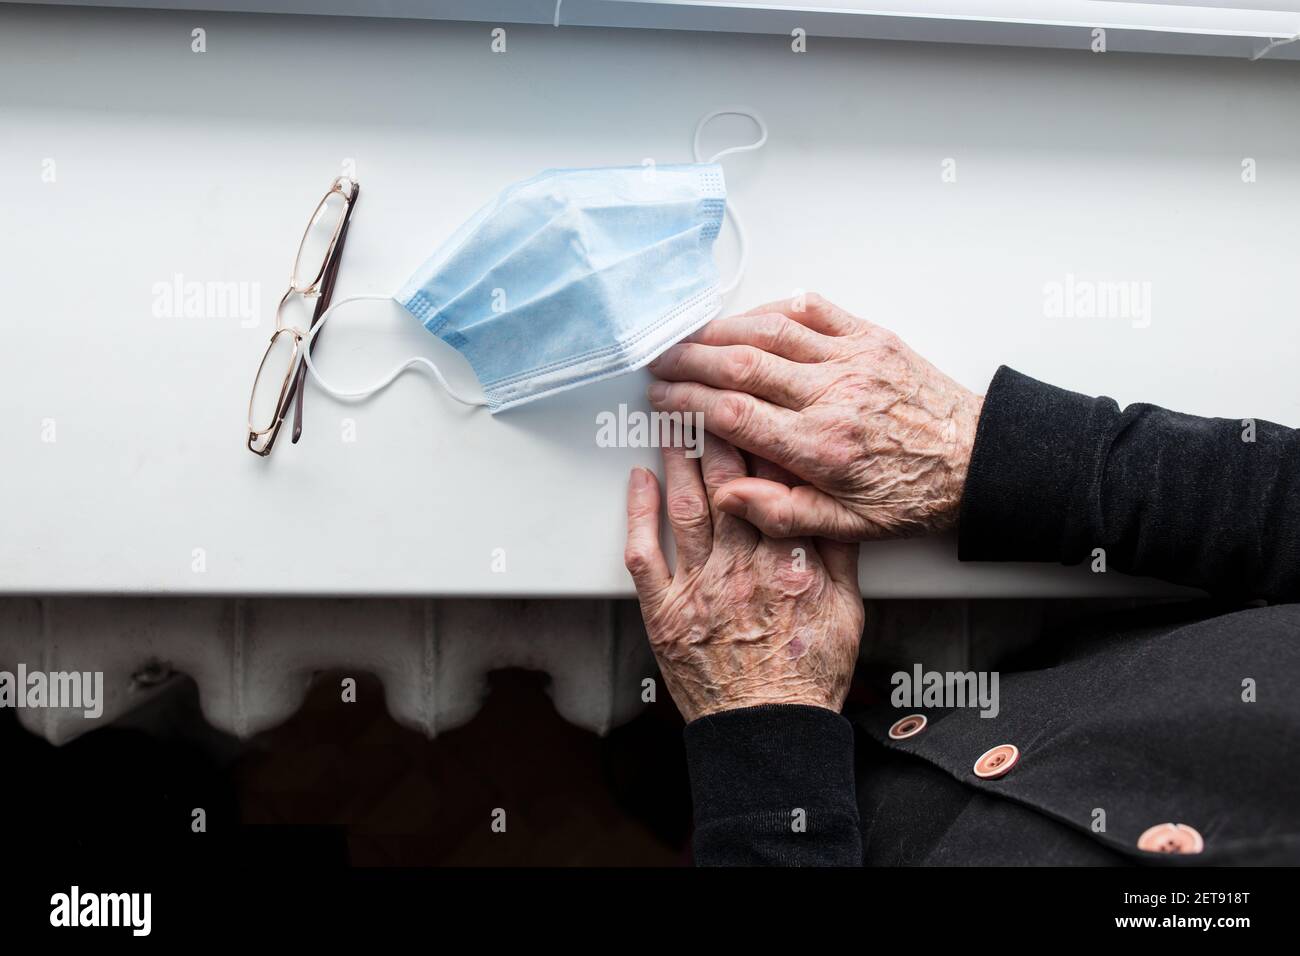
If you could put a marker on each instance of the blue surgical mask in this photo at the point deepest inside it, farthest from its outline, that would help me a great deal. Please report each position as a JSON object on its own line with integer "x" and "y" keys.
{"x": 572, "y": 276}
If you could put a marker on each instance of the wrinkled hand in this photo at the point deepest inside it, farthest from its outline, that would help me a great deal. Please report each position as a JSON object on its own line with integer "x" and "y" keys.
{"x": 744, "y": 619}
{"x": 882, "y": 438}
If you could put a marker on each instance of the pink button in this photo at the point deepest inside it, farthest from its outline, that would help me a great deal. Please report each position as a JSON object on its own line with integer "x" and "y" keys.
{"x": 1171, "y": 838}
{"x": 997, "y": 762}
{"x": 909, "y": 726}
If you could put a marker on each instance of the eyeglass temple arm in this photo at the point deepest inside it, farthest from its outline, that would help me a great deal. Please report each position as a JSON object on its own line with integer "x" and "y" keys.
{"x": 322, "y": 303}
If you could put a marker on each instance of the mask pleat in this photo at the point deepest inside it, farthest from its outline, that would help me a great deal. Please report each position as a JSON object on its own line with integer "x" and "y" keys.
{"x": 574, "y": 275}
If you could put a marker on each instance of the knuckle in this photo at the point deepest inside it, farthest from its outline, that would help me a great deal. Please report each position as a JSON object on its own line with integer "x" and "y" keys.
{"x": 885, "y": 339}
{"x": 687, "y": 511}
{"x": 817, "y": 302}
{"x": 732, "y": 414}
{"x": 691, "y": 396}
{"x": 782, "y": 518}
{"x": 741, "y": 365}
{"x": 635, "y": 559}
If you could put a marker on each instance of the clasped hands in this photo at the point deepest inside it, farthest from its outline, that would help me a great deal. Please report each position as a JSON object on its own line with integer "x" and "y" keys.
{"x": 824, "y": 430}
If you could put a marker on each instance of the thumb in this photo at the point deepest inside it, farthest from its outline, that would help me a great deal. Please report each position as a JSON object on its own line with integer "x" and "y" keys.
{"x": 841, "y": 561}
{"x": 780, "y": 511}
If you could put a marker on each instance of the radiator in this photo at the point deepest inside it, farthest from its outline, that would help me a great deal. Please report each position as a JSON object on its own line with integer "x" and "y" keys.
{"x": 254, "y": 660}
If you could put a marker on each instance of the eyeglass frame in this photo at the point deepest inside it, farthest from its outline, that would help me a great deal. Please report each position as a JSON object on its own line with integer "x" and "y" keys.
{"x": 320, "y": 288}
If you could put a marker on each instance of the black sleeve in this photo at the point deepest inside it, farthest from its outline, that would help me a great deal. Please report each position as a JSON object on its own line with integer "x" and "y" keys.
{"x": 774, "y": 785}
{"x": 1055, "y": 475}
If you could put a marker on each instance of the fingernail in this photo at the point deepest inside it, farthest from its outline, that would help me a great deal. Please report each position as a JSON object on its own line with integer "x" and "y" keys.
{"x": 640, "y": 477}
{"x": 657, "y": 392}
{"x": 663, "y": 356}
{"x": 733, "y": 505}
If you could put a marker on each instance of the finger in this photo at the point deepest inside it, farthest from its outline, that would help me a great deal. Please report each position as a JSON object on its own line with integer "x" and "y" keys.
{"x": 771, "y": 332}
{"x": 841, "y": 561}
{"x": 643, "y": 556}
{"x": 689, "y": 513}
{"x": 720, "y": 464}
{"x": 815, "y": 312}
{"x": 750, "y": 423}
{"x": 762, "y": 468}
{"x": 740, "y": 367}
{"x": 783, "y": 512}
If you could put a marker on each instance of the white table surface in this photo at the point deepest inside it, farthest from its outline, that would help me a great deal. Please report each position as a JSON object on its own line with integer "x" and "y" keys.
{"x": 169, "y": 162}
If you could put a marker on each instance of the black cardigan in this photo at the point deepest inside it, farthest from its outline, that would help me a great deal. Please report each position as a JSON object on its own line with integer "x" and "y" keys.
{"x": 1212, "y": 503}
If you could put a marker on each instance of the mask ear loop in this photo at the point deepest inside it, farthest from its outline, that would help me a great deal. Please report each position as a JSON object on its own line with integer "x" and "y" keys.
{"x": 731, "y": 209}
{"x": 437, "y": 373}
{"x": 386, "y": 380}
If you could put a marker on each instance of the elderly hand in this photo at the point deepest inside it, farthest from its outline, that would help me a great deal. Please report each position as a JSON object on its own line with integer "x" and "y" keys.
{"x": 743, "y": 620}
{"x": 881, "y": 436}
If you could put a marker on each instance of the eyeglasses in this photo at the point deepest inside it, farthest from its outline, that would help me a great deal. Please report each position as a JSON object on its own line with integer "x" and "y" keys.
{"x": 279, "y": 380}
